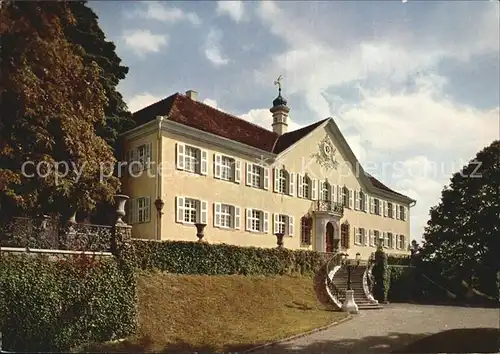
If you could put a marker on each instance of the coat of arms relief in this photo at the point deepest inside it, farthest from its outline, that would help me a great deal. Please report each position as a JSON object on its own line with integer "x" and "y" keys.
{"x": 325, "y": 157}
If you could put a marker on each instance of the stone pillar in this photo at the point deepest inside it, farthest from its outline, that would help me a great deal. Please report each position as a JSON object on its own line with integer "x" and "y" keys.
{"x": 320, "y": 231}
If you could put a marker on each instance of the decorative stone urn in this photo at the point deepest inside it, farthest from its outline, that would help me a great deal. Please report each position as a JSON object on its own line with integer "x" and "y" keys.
{"x": 44, "y": 225}
{"x": 200, "y": 231}
{"x": 349, "y": 305}
{"x": 279, "y": 238}
{"x": 120, "y": 200}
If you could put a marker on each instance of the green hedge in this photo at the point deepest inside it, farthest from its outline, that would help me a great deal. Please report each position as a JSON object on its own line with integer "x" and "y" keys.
{"x": 220, "y": 259}
{"x": 55, "y": 305}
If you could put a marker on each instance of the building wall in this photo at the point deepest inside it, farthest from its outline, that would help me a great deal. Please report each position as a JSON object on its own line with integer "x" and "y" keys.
{"x": 175, "y": 183}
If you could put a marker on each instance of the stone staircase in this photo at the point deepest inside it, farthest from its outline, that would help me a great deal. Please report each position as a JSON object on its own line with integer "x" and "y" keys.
{"x": 340, "y": 282}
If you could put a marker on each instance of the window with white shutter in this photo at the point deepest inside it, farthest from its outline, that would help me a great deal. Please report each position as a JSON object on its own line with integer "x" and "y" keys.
{"x": 365, "y": 202}
{"x": 385, "y": 208}
{"x": 226, "y": 216}
{"x": 191, "y": 211}
{"x": 291, "y": 185}
{"x": 237, "y": 171}
{"x": 283, "y": 224}
{"x": 191, "y": 159}
{"x": 143, "y": 210}
{"x": 364, "y": 234}
{"x": 351, "y": 199}
{"x": 397, "y": 212}
{"x": 257, "y": 220}
{"x": 385, "y": 235}
{"x": 265, "y": 171}
{"x": 257, "y": 176}
{"x": 225, "y": 168}
{"x": 345, "y": 197}
{"x": 357, "y": 198}
{"x": 333, "y": 197}
{"x": 300, "y": 189}
{"x": 314, "y": 189}
{"x": 281, "y": 180}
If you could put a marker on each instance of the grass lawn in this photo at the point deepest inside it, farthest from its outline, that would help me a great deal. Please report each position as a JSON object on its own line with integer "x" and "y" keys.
{"x": 179, "y": 313}
{"x": 465, "y": 340}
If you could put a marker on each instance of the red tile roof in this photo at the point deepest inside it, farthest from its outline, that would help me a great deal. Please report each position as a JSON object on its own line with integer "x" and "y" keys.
{"x": 184, "y": 110}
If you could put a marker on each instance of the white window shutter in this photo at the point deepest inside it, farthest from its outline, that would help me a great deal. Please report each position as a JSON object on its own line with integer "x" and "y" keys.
{"x": 333, "y": 191}
{"x": 217, "y": 165}
{"x": 397, "y": 211}
{"x": 217, "y": 210}
{"x": 291, "y": 183}
{"x": 248, "y": 175}
{"x": 365, "y": 237}
{"x": 275, "y": 223}
{"x": 355, "y": 235}
{"x": 406, "y": 213}
{"x": 351, "y": 202}
{"x": 180, "y": 148}
{"x": 314, "y": 189}
{"x": 248, "y": 222}
{"x": 373, "y": 242}
{"x": 300, "y": 190}
{"x": 265, "y": 224}
{"x": 393, "y": 215}
{"x": 276, "y": 179}
{"x": 380, "y": 207}
{"x": 357, "y": 198}
{"x": 180, "y": 209}
{"x": 291, "y": 225}
{"x": 265, "y": 171}
{"x": 237, "y": 217}
{"x": 203, "y": 212}
{"x": 366, "y": 201}
{"x": 149, "y": 153}
{"x": 131, "y": 211}
{"x": 384, "y": 235}
{"x": 147, "y": 211}
{"x": 203, "y": 162}
{"x": 339, "y": 194}
{"x": 393, "y": 240}
{"x": 386, "y": 207}
{"x": 237, "y": 171}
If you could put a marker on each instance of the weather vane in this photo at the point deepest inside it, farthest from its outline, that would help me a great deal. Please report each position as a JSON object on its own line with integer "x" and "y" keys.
{"x": 278, "y": 83}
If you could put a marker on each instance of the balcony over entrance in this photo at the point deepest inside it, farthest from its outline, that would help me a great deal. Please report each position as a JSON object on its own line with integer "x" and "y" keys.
{"x": 329, "y": 207}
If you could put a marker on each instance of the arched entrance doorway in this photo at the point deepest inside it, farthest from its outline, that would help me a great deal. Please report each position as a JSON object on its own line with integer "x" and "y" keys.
{"x": 329, "y": 240}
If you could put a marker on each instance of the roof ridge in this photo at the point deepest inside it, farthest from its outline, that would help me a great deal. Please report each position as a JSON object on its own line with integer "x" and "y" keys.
{"x": 229, "y": 114}
{"x": 162, "y": 100}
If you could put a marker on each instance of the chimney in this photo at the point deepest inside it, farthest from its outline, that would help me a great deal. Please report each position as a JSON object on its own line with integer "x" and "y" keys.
{"x": 192, "y": 94}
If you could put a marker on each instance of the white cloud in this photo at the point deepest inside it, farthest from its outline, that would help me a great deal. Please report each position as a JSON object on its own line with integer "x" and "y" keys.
{"x": 143, "y": 41}
{"x": 233, "y": 9}
{"x": 402, "y": 117}
{"x": 155, "y": 10}
{"x": 262, "y": 117}
{"x": 142, "y": 100}
{"x": 213, "y": 51}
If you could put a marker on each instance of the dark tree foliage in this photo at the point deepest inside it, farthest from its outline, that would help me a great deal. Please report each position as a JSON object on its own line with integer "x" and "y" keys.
{"x": 52, "y": 102}
{"x": 86, "y": 33}
{"x": 462, "y": 237}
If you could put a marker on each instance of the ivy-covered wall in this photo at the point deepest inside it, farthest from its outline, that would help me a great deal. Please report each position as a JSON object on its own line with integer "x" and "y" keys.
{"x": 48, "y": 305}
{"x": 220, "y": 259}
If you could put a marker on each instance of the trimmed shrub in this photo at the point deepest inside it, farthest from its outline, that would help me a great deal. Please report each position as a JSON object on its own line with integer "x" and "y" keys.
{"x": 398, "y": 260}
{"x": 220, "y": 259}
{"x": 381, "y": 276}
{"x": 55, "y": 305}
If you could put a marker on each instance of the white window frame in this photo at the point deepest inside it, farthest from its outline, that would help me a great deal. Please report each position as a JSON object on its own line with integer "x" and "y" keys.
{"x": 139, "y": 210}
{"x": 401, "y": 242}
{"x": 283, "y": 223}
{"x": 192, "y": 159}
{"x": 376, "y": 206}
{"x": 325, "y": 192}
{"x": 191, "y": 210}
{"x": 257, "y": 176}
{"x": 139, "y": 157}
{"x": 227, "y": 168}
{"x": 390, "y": 240}
{"x": 345, "y": 197}
{"x": 281, "y": 181}
{"x": 257, "y": 220}
{"x": 305, "y": 186}
{"x": 358, "y": 236}
{"x": 390, "y": 210}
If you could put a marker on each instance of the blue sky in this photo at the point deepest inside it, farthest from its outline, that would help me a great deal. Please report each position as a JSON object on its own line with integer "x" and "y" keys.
{"x": 414, "y": 86}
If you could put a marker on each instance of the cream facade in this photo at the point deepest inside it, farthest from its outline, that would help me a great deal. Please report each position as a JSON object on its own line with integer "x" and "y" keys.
{"x": 314, "y": 192}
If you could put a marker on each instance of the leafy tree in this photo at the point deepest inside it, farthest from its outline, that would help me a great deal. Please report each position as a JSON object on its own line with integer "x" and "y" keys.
{"x": 462, "y": 237}
{"x": 51, "y": 103}
{"x": 86, "y": 33}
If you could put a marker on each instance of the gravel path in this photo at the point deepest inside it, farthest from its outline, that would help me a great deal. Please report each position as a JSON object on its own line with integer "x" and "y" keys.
{"x": 382, "y": 331}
